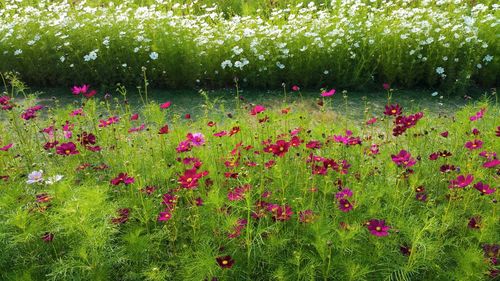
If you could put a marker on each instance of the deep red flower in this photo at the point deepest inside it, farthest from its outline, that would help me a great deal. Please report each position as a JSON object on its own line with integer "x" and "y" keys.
{"x": 461, "y": 181}
{"x": 280, "y": 213}
{"x": 475, "y": 144}
{"x": 48, "y": 237}
{"x": 280, "y": 148}
{"x": 234, "y": 130}
{"x": 86, "y": 138}
{"x": 122, "y": 178}
{"x": 163, "y": 130}
{"x": 444, "y": 134}
{"x": 306, "y": 216}
{"x": 68, "y": 148}
{"x": 345, "y": 205}
{"x": 225, "y": 262}
{"x": 393, "y": 110}
{"x": 484, "y": 188}
{"x": 403, "y": 158}
{"x": 189, "y": 179}
{"x": 474, "y": 222}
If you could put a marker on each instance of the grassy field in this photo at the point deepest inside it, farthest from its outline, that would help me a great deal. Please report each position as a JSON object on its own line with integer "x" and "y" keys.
{"x": 303, "y": 186}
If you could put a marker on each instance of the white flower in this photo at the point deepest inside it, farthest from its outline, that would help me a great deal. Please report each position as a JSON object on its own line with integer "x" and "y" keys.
{"x": 226, "y": 63}
{"x": 479, "y": 66}
{"x": 54, "y": 179}
{"x": 18, "y": 52}
{"x": 153, "y": 55}
{"x": 62, "y": 58}
{"x": 237, "y": 50}
{"x": 35, "y": 177}
{"x": 488, "y": 58}
{"x": 280, "y": 65}
{"x": 434, "y": 94}
{"x": 439, "y": 70}
{"x": 326, "y": 72}
{"x": 91, "y": 56}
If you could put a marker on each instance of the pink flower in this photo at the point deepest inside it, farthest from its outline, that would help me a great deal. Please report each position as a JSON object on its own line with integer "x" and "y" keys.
{"x": 484, "y": 188}
{"x": 492, "y": 163}
{"x": 134, "y": 117}
{"x": 7, "y": 147}
{"x": 475, "y": 144}
{"x": 371, "y": 121}
{"x": 328, "y": 93}
{"x": 378, "y": 227}
{"x": 164, "y": 216}
{"x": 76, "y": 90}
{"x": 403, "y": 159}
{"x": 196, "y": 139}
{"x": 165, "y": 105}
{"x": 257, "y": 109}
{"x": 461, "y": 181}
{"x": 386, "y": 86}
{"x": 137, "y": 129}
{"x": 295, "y": 88}
{"x": 122, "y": 178}
{"x": 478, "y": 115}
{"x": 76, "y": 112}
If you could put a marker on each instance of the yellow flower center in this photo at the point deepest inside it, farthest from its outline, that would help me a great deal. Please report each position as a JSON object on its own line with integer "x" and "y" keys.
{"x": 224, "y": 262}
{"x": 378, "y": 228}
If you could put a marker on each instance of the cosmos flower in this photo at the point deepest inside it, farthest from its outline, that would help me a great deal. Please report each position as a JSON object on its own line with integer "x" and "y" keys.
{"x": 484, "y": 188}
{"x": 295, "y": 88}
{"x": 225, "y": 262}
{"x": 47, "y": 237}
{"x": 306, "y": 216}
{"x": 7, "y": 147}
{"x": 189, "y": 179}
{"x": 378, "y": 227}
{"x": 66, "y": 149}
{"x": 474, "y": 222}
{"x": 122, "y": 178}
{"x": 280, "y": 148}
{"x": 328, "y": 93}
{"x": 164, "y": 216}
{"x": 257, "y": 109}
{"x": 492, "y": 163}
{"x": 196, "y": 139}
{"x": 478, "y": 115}
{"x": 461, "y": 181}
{"x": 403, "y": 158}
{"x": 393, "y": 110}
{"x": 54, "y": 179}
{"x": 345, "y": 205}
{"x": 163, "y": 130}
{"x": 35, "y": 177}
{"x": 165, "y": 105}
{"x": 475, "y": 144}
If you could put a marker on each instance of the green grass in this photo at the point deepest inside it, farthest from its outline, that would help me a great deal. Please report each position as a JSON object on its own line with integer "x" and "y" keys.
{"x": 334, "y": 245}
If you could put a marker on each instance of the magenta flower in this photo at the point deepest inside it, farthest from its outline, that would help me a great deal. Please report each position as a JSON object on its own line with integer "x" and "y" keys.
{"x": 122, "y": 178}
{"x": 461, "y": 181}
{"x": 184, "y": 146}
{"x": 109, "y": 121}
{"x": 196, "y": 139}
{"x": 164, "y": 216}
{"x": 76, "y": 90}
{"x": 444, "y": 134}
{"x": 484, "y": 188}
{"x": 328, "y": 93}
{"x": 7, "y": 147}
{"x": 378, "y": 227}
{"x": 403, "y": 159}
{"x": 346, "y": 192}
{"x": 478, "y": 115}
{"x": 68, "y": 148}
{"x": 393, "y": 110}
{"x": 165, "y": 105}
{"x": 475, "y": 144}
{"x": 47, "y": 237}
{"x": 257, "y": 109}
{"x": 345, "y": 205}
{"x": 295, "y": 88}
{"x": 492, "y": 163}
{"x": 386, "y": 86}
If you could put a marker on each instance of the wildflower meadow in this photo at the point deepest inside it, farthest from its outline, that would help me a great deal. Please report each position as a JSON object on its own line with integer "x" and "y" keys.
{"x": 343, "y": 140}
